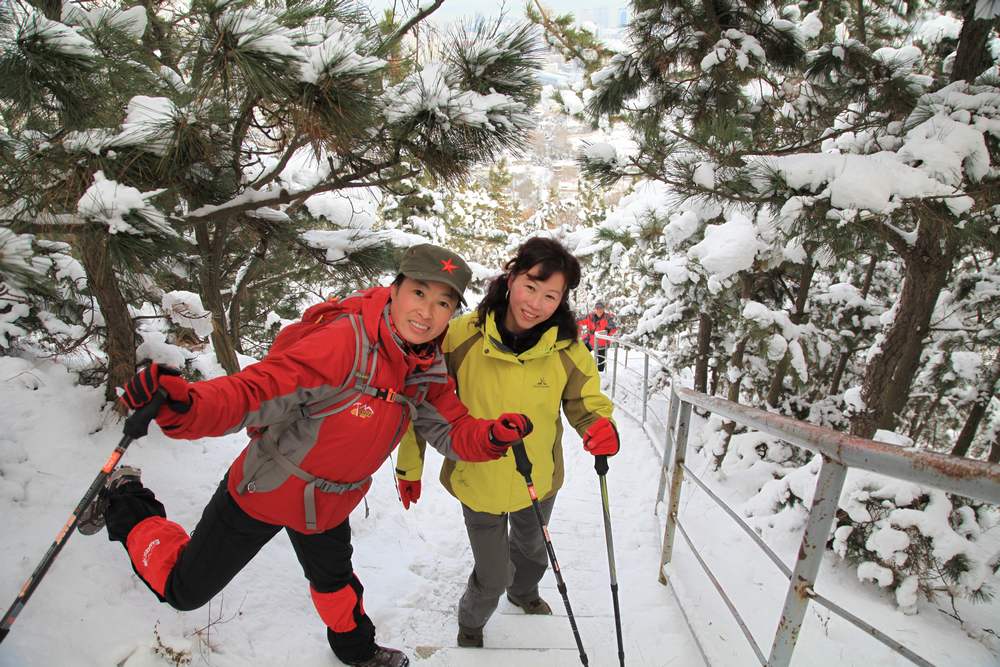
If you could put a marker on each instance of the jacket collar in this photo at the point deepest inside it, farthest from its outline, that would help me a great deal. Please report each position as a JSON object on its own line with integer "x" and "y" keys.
{"x": 493, "y": 343}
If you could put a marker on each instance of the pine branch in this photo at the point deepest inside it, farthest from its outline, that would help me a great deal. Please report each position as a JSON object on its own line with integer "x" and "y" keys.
{"x": 394, "y": 39}
{"x": 267, "y": 177}
{"x": 554, "y": 30}
{"x": 241, "y": 127}
{"x": 356, "y": 179}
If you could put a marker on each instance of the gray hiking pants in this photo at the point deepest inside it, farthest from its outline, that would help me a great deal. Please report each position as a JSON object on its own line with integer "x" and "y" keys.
{"x": 513, "y": 562}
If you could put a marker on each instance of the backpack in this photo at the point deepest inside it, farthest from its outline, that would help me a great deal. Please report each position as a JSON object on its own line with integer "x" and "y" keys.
{"x": 264, "y": 449}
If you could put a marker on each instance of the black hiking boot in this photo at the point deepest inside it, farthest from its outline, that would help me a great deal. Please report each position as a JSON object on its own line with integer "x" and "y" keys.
{"x": 470, "y": 637}
{"x": 536, "y": 607}
{"x": 384, "y": 657}
{"x": 92, "y": 517}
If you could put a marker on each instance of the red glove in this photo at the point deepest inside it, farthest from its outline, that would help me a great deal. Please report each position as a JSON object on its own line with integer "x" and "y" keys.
{"x": 409, "y": 492}
{"x": 140, "y": 390}
{"x": 601, "y": 439}
{"x": 506, "y": 430}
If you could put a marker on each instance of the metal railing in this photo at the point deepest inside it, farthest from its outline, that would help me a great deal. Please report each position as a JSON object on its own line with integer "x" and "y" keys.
{"x": 666, "y": 419}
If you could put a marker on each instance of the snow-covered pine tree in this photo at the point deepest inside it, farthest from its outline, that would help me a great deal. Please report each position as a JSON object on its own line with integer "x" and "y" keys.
{"x": 482, "y": 217}
{"x": 727, "y": 106}
{"x": 699, "y": 72}
{"x": 41, "y": 304}
{"x": 415, "y": 206}
{"x": 193, "y": 125}
{"x": 576, "y": 43}
{"x": 869, "y": 177}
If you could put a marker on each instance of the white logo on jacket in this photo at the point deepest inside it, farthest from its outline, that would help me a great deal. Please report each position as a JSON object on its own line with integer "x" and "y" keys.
{"x": 359, "y": 409}
{"x": 149, "y": 549}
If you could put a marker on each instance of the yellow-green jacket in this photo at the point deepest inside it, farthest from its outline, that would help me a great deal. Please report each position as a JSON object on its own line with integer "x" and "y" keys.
{"x": 492, "y": 380}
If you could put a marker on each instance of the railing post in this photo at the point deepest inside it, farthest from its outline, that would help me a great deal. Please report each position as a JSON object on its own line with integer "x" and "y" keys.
{"x": 675, "y": 488}
{"x": 668, "y": 444}
{"x": 614, "y": 372}
{"x": 817, "y": 531}
{"x": 645, "y": 383}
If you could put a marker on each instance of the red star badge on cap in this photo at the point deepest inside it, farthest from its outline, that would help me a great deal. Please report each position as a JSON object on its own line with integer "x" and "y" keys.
{"x": 446, "y": 265}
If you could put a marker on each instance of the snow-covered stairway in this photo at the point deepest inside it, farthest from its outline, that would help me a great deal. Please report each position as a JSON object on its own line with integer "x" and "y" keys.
{"x": 654, "y": 631}
{"x": 91, "y": 609}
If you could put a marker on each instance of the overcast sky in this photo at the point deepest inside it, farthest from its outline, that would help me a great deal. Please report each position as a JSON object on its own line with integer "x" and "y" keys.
{"x": 605, "y": 13}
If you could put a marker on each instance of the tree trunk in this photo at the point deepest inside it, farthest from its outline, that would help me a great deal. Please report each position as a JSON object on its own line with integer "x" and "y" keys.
{"x": 838, "y": 371}
{"x": 889, "y": 374}
{"x": 978, "y": 410}
{"x": 925, "y": 418}
{"x": 733, "y": 394}
{"x": 862, "y": 32}
{"x": 120, "y": 346}
{"x": 704, "y": 351}
{"x": 845, "y": 356}
{"x": 994, "y": 456}
{"x": 777, "y": 387}
{"x": 210, "y": 274}
{"x": 240, "y": 292}
{"x": 972, "y": 58}
{"x": 735, "y": 362}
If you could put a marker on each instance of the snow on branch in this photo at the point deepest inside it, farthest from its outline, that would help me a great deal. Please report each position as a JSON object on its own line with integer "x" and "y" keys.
{"x": 331, "y": 49}
{"x": 433, "y": 92}
{"x": 57, "y": 37}
{"x": 110, "y": 202}
{"x": 258, "y": 33}
{"x": 130, "y": 21}
{"x": 339, "y": 244}
{"x": 149, "y": 123}
{"x": 876, "y": 183}
{"x": 185, "y": 309}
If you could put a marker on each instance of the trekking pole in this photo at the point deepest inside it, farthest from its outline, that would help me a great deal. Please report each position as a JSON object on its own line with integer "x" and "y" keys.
{"x": 523, "y": 464}
{"x": 601, "y": 466}
{"x": 136, "y": 426}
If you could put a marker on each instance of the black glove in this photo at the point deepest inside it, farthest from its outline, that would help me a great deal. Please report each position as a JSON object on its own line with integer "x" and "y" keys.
{"x": 140, "y": 390}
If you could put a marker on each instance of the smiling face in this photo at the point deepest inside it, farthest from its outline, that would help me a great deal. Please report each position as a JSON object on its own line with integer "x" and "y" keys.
{"x": 532, "y": 300}
{"x": 421, "y": 310}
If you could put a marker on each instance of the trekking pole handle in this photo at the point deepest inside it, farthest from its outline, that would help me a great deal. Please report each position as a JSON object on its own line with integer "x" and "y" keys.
{"x": 137, "y": 423}
{"x": 601, "y": 464}
{"x": 521, "y": 460}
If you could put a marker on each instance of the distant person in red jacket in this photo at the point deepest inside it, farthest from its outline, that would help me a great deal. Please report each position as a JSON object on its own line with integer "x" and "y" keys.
{"x": 599, "y": 321}
{"x": 324, "y": 409}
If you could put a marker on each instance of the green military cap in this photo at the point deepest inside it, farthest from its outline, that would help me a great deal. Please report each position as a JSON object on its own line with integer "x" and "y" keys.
{"x": 436, "y": 264}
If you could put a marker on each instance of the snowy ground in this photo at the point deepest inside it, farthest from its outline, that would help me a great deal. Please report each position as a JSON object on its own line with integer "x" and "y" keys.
{"x": 92, "y": 610}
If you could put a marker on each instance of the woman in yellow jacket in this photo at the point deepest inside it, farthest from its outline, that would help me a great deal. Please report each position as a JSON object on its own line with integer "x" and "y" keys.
{"x": 518, "y": 352}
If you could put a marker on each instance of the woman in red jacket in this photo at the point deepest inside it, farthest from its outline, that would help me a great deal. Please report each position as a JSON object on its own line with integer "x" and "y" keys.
{"x": 324, "y": 409}
{"x": 598, "y": 321}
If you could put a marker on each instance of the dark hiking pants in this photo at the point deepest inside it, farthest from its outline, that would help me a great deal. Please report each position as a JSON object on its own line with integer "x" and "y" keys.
{"x": 194, "y": 570}
{"x": 511, "y": 561}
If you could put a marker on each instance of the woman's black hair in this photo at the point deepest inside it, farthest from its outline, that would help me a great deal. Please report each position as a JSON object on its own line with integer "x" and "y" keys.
{"x": 553, "y": 257}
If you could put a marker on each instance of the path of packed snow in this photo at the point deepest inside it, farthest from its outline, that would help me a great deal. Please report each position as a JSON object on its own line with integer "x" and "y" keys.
{"x": 92, "y": 610}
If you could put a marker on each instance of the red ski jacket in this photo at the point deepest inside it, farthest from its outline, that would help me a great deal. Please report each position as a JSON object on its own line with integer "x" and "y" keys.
{"x": 343, "y": 448}
{"x": 593, "y": 323}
